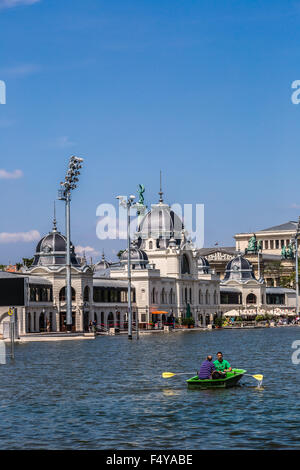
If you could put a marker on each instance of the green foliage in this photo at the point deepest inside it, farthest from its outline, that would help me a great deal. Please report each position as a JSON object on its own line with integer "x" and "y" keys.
{"x": 259, "y": 318}
{"x": 187, "y": 321}
{"x": 27, "y": 262}
{"x": 219, "y": 321}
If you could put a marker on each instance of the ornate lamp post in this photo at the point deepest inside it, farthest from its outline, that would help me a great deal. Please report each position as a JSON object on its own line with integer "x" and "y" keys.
{"x": 65, "y": 195}
{"x": 127, "y": 204}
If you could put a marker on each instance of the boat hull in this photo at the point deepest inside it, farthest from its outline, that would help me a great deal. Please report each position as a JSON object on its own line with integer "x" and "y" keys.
{"x": 231, "y": 380}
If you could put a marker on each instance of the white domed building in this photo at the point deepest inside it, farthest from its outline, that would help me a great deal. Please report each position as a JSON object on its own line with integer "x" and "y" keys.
{"x": 169, "y": 277}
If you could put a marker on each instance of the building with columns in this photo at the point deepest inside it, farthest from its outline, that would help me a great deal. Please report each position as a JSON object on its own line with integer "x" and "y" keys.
{"x": 273, "y": 238}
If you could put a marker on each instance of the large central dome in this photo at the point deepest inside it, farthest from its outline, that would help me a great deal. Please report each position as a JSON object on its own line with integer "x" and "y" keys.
{"x": 160, "y": 223}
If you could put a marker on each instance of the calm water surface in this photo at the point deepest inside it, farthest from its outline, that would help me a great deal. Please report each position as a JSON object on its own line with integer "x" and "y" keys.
{"x": 109, "y": 394}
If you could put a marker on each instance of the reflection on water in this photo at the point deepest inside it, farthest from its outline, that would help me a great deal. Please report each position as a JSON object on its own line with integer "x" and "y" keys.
{"x": 109, "y": 393}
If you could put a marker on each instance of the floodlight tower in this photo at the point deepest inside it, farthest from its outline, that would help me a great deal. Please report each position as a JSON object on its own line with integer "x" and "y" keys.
{"x": 68, "y": 185}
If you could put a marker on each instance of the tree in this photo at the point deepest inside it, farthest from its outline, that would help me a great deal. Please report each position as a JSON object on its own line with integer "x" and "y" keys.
{"x": 27, "y": 262}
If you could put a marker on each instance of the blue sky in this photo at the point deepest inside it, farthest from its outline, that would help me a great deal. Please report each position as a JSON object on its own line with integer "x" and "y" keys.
{"x": 198, "y": 89}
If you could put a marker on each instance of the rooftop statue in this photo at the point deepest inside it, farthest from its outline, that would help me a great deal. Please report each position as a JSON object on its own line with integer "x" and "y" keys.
{"x": 141, "y": 190}
{"x": 253, "y": 245}
{"x": 290, "y": 251}
{"x": 283, "y": 252}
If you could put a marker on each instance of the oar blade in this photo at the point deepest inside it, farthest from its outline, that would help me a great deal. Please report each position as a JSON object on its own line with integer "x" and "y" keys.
{"x": 167, "y": 375}
{"x": 258, "y": 377}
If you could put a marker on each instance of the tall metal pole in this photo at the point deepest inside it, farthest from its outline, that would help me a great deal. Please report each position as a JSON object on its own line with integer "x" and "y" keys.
{"x": 68, "y": 264}
{"x": 12, "y": 333}
{"x": 129, "y": 272}
{"x": 297, "y": 275}
{"x": 68, "y": 185}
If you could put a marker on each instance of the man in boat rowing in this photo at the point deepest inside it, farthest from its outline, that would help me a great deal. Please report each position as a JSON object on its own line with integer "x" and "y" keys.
{"x": 222, "y": 366}
{"x": 206, "y": 369}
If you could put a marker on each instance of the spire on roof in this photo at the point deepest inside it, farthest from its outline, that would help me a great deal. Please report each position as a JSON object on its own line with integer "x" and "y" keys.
{"x": 160, "y": 192}
{"x": 54, "y": 219}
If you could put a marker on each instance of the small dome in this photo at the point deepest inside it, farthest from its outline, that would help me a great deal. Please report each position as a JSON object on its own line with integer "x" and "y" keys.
{"x": 239, "y": 269}
{"x": 203, "y": 265}
{"x": 102, "y": 269}
{"x": 52, "y": 250}
{"x": 138, "y": 257}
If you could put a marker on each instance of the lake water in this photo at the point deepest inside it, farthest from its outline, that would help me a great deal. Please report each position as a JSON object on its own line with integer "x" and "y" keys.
{"x": 109, "y": 393}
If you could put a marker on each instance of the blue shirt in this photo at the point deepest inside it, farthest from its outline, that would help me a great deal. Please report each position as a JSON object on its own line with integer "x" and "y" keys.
{"x": 206, "y": 369}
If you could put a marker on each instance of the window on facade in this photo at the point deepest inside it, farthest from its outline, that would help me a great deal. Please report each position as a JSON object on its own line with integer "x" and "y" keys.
{"x": 277, "y": 244}
{"x": 266, "y": 244}
{"x": 62, "y": 294}
{"x": 282, "y": 243}
{"x": 275, "y": 299}
{"x": 251, "y": 299}
{"x": 185, "y": 266}
{"x": 150, "y": 245}
{"x": 207, "y": 298}
{"x": 200, "y": 297}
{"x": 191, "y": 298}
{"x": 86, "y": 294}
{"x": 287, "y": 242}
{"x": 271, "y": 244}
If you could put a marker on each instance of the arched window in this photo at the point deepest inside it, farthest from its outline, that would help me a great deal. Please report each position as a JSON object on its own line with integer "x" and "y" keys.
{"x": 171, "y": 296}
{"x": 110, "y": 320}
{"x": 185, "y": 265}
{"x": 200, "y": 297}
{"x": 62, "y": 294}
{"x": 251, "y": 299}
{"x": 162, "y": 296}
{"x": 207, "y": 298}
{"x": 191, "y": 298}
{"x": 153, "y": 295}
{"x": 185, "y": 295}
{"x": 150, "y": 245}
{"x": 86, "y": 294}
{"x": 215, "y": 298}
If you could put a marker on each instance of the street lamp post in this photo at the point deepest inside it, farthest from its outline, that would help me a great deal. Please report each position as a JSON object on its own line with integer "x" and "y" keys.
{"x": 296, "y": 261}
{"x": 127, "y": 204}
{"x": 65, "y": 195}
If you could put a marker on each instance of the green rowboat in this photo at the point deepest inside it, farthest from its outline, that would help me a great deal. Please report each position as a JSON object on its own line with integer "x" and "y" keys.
{"x": 231, "y": 380}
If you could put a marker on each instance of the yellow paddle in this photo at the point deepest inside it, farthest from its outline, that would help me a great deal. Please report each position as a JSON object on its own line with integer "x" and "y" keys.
{"x": 167, "y": 375}
{"x": 258, "y": 377}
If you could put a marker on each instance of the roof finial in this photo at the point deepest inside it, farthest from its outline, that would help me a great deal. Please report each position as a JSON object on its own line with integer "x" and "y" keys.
{"x": 160, "y": 192}
{"x": 103, "y": 255}
{"x": 54, "y": 219}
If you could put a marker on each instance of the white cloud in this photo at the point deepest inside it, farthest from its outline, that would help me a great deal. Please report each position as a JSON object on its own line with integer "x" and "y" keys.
{"x": 21, "y": 70}
{"x": 64, "y": 142}
{"x": 13, "y": 175}
{"x": 87, "y": 250}
{"x": 26, "y": 237}
{"x": 15, "y": 3}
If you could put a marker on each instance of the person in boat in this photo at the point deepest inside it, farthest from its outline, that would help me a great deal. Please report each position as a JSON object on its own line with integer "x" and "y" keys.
{"x": 207, "y": 368}
{"x": 221, "y": 367}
